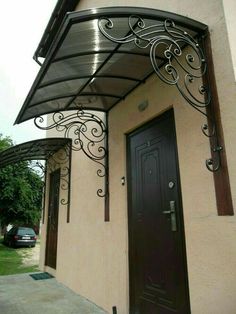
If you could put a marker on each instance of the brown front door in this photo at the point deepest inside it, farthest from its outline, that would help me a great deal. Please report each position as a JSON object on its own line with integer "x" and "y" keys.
{"x": 157, "y": 259}
{"x": 52, "y": 227}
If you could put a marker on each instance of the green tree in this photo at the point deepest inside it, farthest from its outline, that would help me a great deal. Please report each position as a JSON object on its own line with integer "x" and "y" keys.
{"x": 5, "y": 142}
{"x": 20, "y": 192}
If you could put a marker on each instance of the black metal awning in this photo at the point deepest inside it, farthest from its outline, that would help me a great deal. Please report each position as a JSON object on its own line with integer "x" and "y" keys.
{"x": 61, "y": 8}
{"x": 99, "y": 56}
{"x": 88, "y": 65}
{"x": 44, "y": 149}
{"x": 41, "y": 149}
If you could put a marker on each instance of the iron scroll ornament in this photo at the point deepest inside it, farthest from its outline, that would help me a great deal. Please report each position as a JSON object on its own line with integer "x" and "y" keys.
{"x": 62, "y": 160}
{"x": 170, "y": 40}
{"x": 54, "y": 161}
{"x": 39, "y": 168}
{"x": 88, "y": 133}
{"x": 59, "y": 160}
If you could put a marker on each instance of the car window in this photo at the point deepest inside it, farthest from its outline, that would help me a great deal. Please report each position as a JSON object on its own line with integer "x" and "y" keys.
{"x": 23, "y": 231}
{"x": 12, "y": 230}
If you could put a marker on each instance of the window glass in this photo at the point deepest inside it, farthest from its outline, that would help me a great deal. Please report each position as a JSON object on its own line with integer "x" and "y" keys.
{"x": 23, "y": 231}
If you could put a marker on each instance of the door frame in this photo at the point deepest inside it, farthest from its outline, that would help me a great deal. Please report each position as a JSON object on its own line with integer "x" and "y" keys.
{"x": 139, "y": 129}
{"x": 49, "y": 199}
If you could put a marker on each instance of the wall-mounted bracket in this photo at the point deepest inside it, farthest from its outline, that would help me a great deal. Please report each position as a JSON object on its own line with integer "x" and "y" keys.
{"x": 60, "y": 159}
{"x": 89, "y": 134}
{"x": 185, "y": 65}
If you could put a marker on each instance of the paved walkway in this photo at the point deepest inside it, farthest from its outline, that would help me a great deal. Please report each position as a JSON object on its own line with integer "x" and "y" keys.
{"x": 21, "y": 294}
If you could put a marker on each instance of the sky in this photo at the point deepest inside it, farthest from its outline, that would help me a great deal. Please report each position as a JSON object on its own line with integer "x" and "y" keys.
{"x": 22, "y": 23}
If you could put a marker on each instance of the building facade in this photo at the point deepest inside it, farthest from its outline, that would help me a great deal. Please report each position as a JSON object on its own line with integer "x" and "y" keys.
{"x": 165, "y": 237}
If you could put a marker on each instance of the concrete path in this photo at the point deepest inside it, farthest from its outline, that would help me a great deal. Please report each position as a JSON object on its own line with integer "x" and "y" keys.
{"x": 21, "y": 294}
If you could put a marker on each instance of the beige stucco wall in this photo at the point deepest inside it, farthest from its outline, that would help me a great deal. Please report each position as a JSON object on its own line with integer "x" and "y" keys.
{"x": 230, "y": 13}
{"x": 211, "y": 13}
{"x": 93, "y": 255}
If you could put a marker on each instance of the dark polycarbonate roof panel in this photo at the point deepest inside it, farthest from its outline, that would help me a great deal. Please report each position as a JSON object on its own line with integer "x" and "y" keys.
{"x": 61, "y": 8}
{"x": 34, "y": 150}
{"x": 85, "y": 68}
{"x": 80, "y": 65}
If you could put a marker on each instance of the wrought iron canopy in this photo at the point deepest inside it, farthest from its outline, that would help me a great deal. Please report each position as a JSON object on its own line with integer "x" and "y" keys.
{"x": 99, "y": 56}
{"x": 89, "y": 66}
{"x": 41, "y": 149}
{"x": 44, "y": 149}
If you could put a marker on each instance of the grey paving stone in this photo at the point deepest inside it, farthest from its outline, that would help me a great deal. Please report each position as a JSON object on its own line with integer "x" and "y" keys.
{"x": 20, "y": 294}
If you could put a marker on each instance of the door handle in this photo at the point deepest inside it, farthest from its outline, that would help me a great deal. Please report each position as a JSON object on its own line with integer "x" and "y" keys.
{"x": 172, "y": 214}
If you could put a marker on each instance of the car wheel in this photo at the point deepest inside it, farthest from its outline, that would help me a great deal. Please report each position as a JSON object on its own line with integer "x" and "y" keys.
{"x": 11, "y": 244}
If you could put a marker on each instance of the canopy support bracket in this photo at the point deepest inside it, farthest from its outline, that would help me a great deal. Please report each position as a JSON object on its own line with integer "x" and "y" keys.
{"x": 89, "y": 134}
{"x": 62, "y": 160}
{"x": 185, "y": 69}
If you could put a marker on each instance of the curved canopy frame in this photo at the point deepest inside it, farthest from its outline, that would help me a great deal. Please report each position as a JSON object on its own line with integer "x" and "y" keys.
{"x": 55, "y": 151}
{"x": 86, "y": 67}
{"x": 99, "y": 56}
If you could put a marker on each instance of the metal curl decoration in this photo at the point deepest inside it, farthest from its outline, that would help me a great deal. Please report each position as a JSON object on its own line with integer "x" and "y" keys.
{"x": 207, "y": 132}
{"x": 170, "y": 39}
{"x": 88, "y": 133}
{"x": 214, "y": 164}
{"x": 180, "y": 69}
{"x": 64, "y": 178}
{"x": 39, "y": 168}
{"x": 61, "y": 160}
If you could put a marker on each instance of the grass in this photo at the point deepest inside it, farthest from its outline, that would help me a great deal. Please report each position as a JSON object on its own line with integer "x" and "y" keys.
{"x": 11, "y": 262}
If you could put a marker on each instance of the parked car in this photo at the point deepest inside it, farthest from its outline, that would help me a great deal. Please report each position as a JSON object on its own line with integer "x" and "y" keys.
{"x": 20, "y": 236}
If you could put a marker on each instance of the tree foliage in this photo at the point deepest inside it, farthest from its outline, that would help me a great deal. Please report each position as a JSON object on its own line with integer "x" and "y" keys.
{"x": 5, "y": 142}
{"x": 20, "y": 192}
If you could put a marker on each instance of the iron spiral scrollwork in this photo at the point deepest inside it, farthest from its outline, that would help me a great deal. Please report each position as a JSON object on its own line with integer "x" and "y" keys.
{"x": 185, "y": 64}
{"x": 61, "y": 160}
{"x": 213, "y": 164}
{"x": 88, "y": 133}
{"x": 39, "y": 168}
